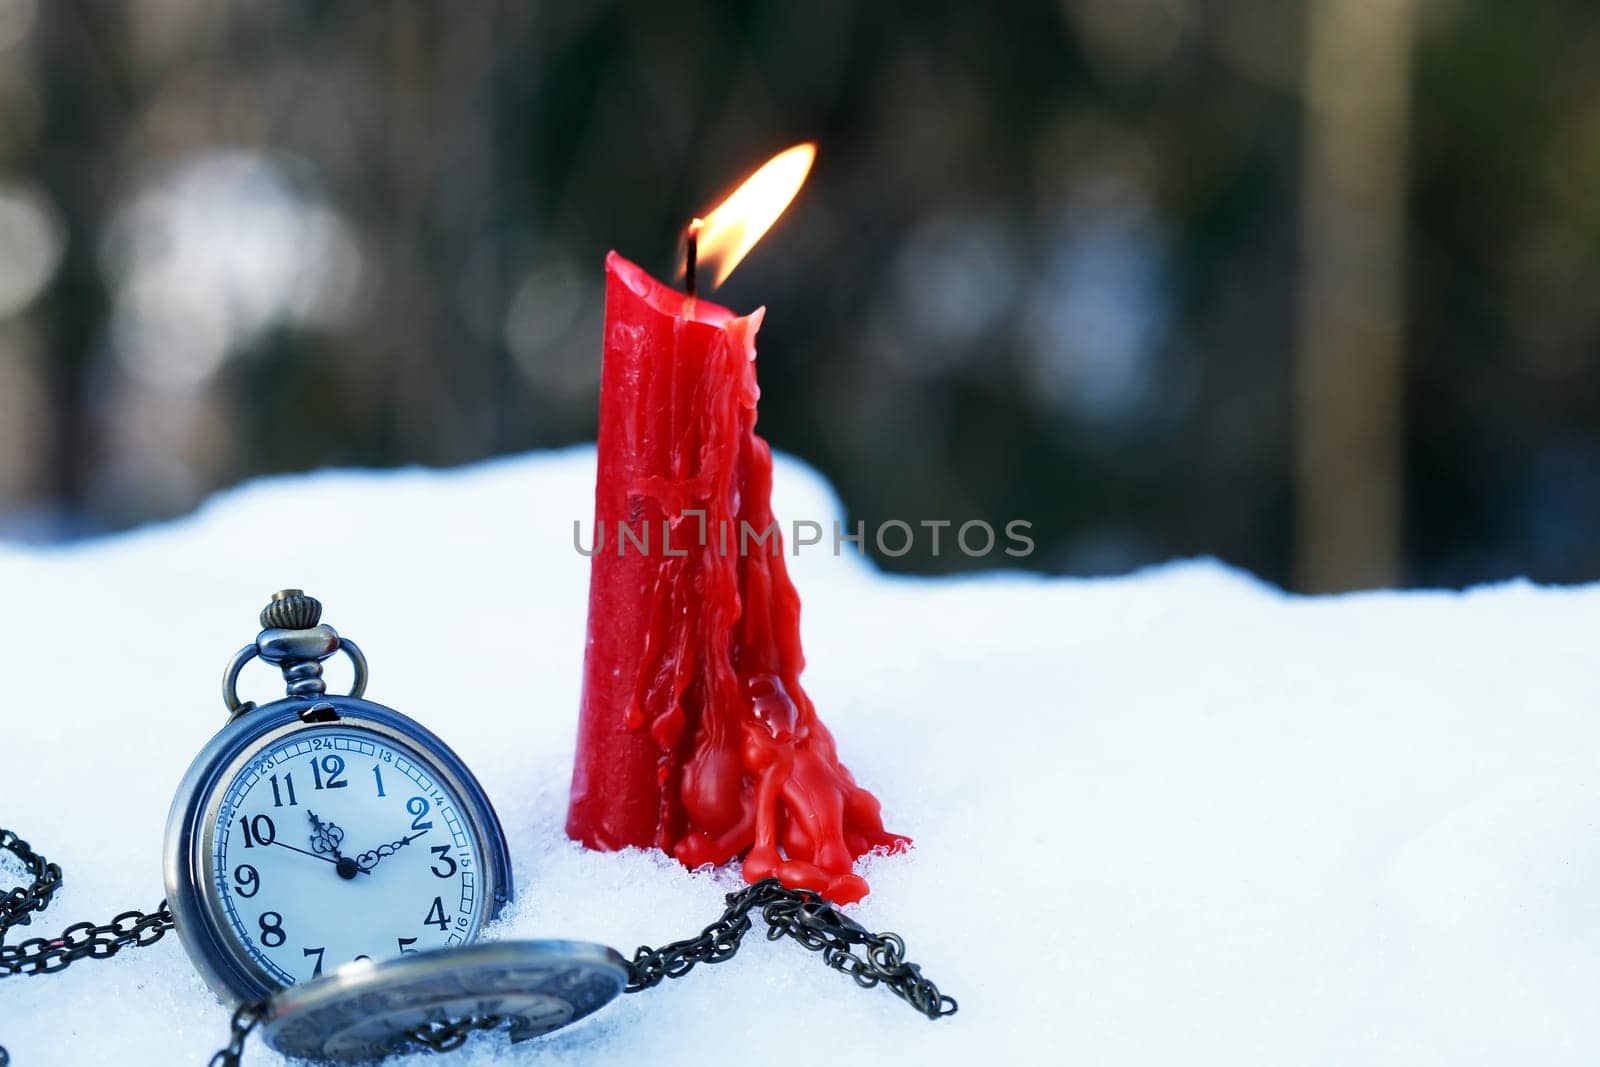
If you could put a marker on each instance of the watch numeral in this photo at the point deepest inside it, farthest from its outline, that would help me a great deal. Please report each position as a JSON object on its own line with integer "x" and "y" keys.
{"x": 258, "y": 831}
{"x": 443, "y": 852}
{"x": 379, "y": 776}
{"x": 333, "y": 767}
{"x": 405, "y": 945}
{"x": 288, "y": 784}
{"x": 271, "y": 932}
{"x": 247, "y": 881}
{"x": 418, "y": 806}
{"x": 316, "y": 972}
{"x": 437, "y": 910}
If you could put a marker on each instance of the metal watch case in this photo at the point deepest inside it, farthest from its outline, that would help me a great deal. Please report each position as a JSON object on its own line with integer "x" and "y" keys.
{"x": 298, "y": 650}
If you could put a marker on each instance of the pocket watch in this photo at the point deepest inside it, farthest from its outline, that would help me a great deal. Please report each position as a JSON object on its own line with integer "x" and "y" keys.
{"x": 318, "y": 830}
{"x": 330, "y": 863}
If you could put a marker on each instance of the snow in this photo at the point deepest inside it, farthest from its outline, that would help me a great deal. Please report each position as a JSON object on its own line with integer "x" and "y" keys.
{"x": 1176, "y": 817}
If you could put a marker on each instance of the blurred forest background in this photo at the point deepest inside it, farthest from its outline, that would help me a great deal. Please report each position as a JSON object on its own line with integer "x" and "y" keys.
{"x": 1308, "y": 286}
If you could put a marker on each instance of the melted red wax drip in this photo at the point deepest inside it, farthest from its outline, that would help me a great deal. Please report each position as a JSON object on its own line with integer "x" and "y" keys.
{"x": 695, "y": 734}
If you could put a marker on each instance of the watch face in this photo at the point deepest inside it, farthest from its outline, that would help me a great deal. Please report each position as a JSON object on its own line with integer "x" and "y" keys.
{"x": 335, "y": 843}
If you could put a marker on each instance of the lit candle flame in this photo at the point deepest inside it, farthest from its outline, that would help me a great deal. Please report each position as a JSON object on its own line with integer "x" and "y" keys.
{"x": 732, "y": 228}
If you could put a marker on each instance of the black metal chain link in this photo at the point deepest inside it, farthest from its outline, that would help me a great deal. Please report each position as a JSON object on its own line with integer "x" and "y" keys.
{"x": 85, "y": 940}
{"x": 21, "y": 902}
{"x": 869, "y": 958}
{"x": 448, "y": 1036}
{"x": 795, "y": 913}
{"x": 805, "y": 917}
{"x": 799, "y": 914}
{"x": 245, "y": 1017}
{"x": 46, "y": 955}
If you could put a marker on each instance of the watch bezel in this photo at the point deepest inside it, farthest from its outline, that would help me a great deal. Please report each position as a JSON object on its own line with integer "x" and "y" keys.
{"x": 198, "y": 914}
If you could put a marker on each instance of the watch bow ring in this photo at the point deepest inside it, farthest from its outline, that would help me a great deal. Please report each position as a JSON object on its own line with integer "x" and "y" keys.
{"x": 293, "y": 638}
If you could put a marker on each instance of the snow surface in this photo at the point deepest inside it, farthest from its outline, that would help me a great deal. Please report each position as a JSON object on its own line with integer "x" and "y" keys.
{"x": 1172, "y": 818}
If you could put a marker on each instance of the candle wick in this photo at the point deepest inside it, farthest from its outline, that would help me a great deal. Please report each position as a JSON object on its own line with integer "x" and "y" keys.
{"x": 691, "y": 253}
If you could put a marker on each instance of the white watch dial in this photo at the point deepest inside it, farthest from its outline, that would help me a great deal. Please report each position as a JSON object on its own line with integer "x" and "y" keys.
{"x": 336, "y": 844}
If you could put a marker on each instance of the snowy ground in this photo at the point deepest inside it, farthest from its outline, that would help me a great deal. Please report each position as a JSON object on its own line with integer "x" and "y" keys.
{"x": 1176, "y": 818}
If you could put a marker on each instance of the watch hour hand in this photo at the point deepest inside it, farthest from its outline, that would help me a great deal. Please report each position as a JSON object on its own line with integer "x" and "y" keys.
{"x": 326, "y": 837}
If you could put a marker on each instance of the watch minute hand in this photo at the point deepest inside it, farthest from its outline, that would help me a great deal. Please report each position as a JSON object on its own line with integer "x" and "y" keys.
{"x": 369, "y": 859}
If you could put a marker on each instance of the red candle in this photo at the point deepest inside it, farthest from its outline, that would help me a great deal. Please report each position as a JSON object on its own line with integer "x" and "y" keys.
{"x": 695, "y": 735}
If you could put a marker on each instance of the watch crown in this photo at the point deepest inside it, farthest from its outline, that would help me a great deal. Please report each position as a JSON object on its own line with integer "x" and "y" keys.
{"x": 291, "y": 609}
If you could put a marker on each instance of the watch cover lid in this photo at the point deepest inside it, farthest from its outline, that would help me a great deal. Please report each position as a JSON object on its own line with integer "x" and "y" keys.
{"x": 368, "y": 1009}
